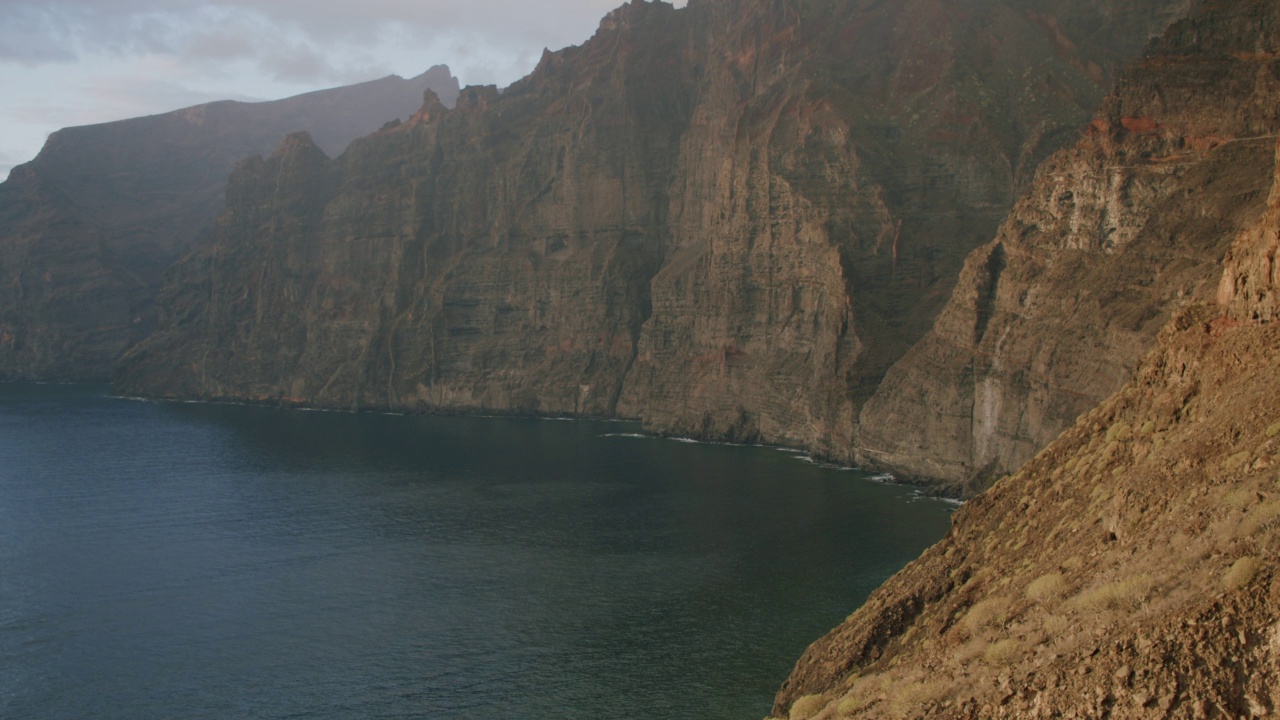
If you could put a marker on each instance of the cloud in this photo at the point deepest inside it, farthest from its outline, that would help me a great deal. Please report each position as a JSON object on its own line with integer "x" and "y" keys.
{"x": 75, "y": 62}
{"x": 30, "y": 37}
{"x": 297, "y": 40}
{"x": 133, "y": 95}
{"x": 95, "y": 99}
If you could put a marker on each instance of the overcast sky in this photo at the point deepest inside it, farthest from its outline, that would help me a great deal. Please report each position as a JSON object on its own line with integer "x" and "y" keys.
{"x": 75, "y": 62}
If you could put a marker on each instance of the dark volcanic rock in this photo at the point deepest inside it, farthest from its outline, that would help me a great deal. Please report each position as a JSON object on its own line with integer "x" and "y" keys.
{"x": 728, "y": 220}
{"x": 1114, "y": 235}
{"x": 88, "y": 227}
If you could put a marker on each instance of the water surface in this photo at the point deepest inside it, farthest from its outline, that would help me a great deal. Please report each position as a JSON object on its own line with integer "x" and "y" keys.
{"x": 203, "y": 561}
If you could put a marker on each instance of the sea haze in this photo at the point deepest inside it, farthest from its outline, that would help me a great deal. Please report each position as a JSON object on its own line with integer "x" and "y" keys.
{"x": 201, "y": 561}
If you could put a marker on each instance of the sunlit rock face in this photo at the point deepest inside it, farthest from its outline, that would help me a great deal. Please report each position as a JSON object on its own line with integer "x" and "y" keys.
{"x": 728, "y": 220}
{"x": 88, "y": 227}
{"x": 1114, "y": 235}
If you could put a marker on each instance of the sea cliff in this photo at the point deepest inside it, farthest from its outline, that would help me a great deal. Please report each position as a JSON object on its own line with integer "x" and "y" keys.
{"x": 728, "y": 220}
{"x": 1128, "y": 570}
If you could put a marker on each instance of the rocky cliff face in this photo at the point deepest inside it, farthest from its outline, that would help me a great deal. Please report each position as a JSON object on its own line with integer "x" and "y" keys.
{"x": 1128, "y": 571}
{"x": 1114, "y": 235}
{"x": 88, "y": 227}
{"x": 822, "y": 210}
{"x": 495, "y": 256}
{"x": 728, "y": 220}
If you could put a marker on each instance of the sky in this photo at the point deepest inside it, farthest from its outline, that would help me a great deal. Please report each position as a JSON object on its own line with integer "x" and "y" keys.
{"x": 77, "y": 62}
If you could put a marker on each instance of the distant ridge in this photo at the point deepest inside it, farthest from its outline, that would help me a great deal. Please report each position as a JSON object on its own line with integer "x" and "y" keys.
{"x": 88, "y": 227}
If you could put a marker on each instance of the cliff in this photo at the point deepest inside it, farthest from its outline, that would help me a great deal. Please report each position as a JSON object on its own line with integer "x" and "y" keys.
{"x": 729, "y": 220}
{"x": 1129, "y": 570}
{"x": 89, "y": 226}
{"x": 1115, "y": 235}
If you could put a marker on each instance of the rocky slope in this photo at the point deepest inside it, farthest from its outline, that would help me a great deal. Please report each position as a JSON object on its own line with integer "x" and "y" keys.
{"x": 1113, "y": 236}
{"x": 728, "y": 220}
{"x": 1129, "y": 570}
{"x": 88, "y": 227}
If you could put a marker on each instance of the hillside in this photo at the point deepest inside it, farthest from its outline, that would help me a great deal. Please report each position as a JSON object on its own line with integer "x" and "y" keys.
{"x": 89, "y": 226}
{"x": 1129, "y": 569}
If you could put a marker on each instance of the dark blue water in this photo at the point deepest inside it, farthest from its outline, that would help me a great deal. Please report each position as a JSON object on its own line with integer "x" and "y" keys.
{"x": 196, "y": 561}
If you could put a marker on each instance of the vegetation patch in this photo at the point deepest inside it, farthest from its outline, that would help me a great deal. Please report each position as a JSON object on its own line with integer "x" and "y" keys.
{"x": 864, "y": 692}
{"x": 1128, "y": 594}
{"x": 1240, "y": 498}
{"x": 1003, "y": 652}
{"x": 806, "y": 706}
{"x": 1263, "y": 517}
{"x": 970, "y": 650}
{"x": 1055, "y": 625}
{"x": 1047, "y": 588}
{"x": 1237, "y": 460}
{"x": 851, "y": 704}
{"x": 1241, "y": 572}
{"x": 909, "y": 698}
{"x": 1119, "y": 432}
{"x": 988, "y": 613}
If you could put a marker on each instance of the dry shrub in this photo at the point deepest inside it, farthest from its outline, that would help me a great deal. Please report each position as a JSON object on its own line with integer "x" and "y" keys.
{"x": 1241, "y": 572}
{"x": 1240, "y": 498}
{"x": 1263, "y": 517}
{"x": 1119, "y": 432}
{"x": 863, "y": 693}
{"x": 909, "y": 698}
{"x": 806, "y": 706}
{"x": 985, "y": 614}
{"x": 851, "y": 704}
{"x": 1055, "y": 626}
{"x": 1002, "y": 653}
{"x": 1128, "y": 594}
{"x": 1047, "y": 588}
{"x": 1237, "y": 460}
{"x": 970, "y": 650}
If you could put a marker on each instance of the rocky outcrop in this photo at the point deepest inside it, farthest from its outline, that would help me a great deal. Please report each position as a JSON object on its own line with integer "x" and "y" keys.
{"x": 728, "y": 220}
{"x": 88, "y": 227}
{"x": 1114, "y": 236}
{"x": 1128, "y": 571}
